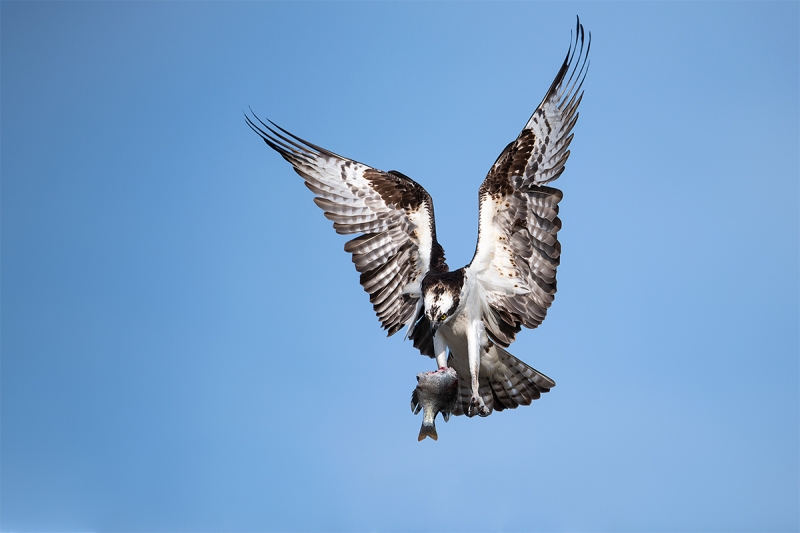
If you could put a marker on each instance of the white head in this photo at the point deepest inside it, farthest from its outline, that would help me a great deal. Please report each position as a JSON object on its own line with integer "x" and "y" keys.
{"x": 441, "y": 297}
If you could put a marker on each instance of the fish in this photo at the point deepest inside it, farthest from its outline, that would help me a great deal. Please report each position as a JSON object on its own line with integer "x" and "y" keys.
{"x": 436, "y": 392}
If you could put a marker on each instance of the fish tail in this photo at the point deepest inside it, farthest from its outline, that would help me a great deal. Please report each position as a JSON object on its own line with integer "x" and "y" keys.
{"x": 427, "y": 431}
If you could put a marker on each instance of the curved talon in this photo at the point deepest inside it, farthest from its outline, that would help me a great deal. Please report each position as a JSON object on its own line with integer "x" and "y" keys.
{"x": 476, "y": 406}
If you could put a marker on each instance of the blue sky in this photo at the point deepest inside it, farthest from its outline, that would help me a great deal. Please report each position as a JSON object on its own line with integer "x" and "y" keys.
{"x": 185, "y": 346}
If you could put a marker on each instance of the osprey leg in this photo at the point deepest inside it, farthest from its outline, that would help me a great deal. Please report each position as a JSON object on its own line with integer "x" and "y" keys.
{"x": 440, "y": 349}
{"x": 474, "y": 334}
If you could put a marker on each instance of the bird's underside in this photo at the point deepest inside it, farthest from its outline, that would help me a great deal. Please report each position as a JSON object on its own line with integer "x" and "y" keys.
{"x": 467, "y": 317}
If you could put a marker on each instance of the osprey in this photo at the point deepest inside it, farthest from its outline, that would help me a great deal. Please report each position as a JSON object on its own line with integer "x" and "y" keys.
{"x": 464, "y": 318}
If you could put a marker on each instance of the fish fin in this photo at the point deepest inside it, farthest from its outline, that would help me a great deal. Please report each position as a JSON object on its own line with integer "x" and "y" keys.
{"x": 446, "y": 416}
{"x": 415, "y": 406}
{"x": 427, "y": 431}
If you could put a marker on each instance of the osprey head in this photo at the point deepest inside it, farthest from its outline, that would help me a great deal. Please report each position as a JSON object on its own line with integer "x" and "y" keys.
{"x": 441, "y": 297}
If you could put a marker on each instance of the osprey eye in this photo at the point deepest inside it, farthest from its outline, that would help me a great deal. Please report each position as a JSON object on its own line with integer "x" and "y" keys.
{"x": 443, "y": 316}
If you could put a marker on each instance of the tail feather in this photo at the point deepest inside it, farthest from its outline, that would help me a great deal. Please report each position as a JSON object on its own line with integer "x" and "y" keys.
{"x": 464, "y": 394}
{"x": 497, "y": 403}
{"x": 530, "y": 374}
{"x": 518, "y": 382}
{"x": 485, "y": 390}
{"x": 506, "y": 392}
{"x": 522, "y": 390}
{"x": 511, "y": 384}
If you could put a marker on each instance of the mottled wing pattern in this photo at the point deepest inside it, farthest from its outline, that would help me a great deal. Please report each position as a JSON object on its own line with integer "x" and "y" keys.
{"x": 391, "y": 212}
{"x": 518, "y": 251}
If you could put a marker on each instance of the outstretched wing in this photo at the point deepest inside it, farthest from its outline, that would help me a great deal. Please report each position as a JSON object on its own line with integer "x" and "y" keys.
{"x": 518, "y": 251}
{"x": 391, "y": 212}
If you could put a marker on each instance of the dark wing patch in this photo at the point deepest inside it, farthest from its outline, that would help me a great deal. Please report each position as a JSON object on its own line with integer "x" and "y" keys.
{"x": 422, "y": 338}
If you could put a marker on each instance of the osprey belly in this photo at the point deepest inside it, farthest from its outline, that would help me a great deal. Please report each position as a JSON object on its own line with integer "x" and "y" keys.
{"x": 455, "y": 334}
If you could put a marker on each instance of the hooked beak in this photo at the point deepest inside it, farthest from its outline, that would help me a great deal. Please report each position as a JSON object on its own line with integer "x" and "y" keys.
{"x": 434, "y": 327}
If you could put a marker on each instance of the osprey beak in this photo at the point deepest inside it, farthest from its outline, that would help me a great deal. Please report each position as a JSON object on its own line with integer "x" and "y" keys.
{"x": 434, "y": 327}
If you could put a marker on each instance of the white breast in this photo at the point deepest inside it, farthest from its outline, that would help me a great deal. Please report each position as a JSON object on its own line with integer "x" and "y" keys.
{"x": 454, "y": 331}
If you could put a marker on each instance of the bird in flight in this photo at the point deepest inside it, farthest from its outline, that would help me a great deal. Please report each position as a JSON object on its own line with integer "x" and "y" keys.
{"x": 463, "y": 318}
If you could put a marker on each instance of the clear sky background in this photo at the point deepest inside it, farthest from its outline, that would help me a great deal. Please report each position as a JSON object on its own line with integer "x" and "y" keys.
{"x": 186, "y": 347}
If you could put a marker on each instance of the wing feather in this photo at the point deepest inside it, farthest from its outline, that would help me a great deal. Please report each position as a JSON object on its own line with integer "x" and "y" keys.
{"x": 392, "y": 213}
{"x": 518, "y": 252}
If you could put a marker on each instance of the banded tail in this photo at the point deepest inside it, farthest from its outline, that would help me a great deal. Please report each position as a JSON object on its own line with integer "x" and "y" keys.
{"x": 505, "y": 382}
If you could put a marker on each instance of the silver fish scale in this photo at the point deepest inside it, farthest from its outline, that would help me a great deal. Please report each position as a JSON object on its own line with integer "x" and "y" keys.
{"x": 436, "y": 392}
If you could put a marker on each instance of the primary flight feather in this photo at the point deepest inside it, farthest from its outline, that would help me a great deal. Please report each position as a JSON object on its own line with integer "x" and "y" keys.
{"x": 467, "y": 317}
